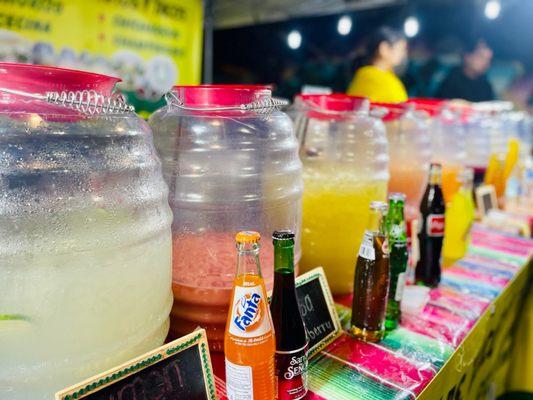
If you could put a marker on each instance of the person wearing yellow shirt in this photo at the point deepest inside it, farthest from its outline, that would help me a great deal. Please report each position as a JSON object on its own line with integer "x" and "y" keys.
{"x": 385, "y": 50}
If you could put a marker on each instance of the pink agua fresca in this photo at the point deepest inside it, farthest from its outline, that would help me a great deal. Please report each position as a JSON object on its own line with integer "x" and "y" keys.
{"x": 227, "y": 170}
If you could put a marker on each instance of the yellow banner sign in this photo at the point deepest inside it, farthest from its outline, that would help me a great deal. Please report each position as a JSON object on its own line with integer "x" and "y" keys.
{"x": 150, "y": 44}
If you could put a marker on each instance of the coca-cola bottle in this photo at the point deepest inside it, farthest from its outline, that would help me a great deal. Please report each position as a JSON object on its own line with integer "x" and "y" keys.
{"x": 372, "y": 276}
{"x": 431, "y": 232}
{"x": 291, "y": 339}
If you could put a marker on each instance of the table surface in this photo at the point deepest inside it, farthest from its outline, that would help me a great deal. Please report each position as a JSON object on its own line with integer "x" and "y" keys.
{"x": 466, "y": 327}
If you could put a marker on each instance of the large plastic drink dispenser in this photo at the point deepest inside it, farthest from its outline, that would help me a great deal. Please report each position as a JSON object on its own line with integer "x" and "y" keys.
{"x": 480, "y": 127}
{"x": 409, "y": 151}
{"x": 85, "y": 239}
{"x": 448, "y": 141}
{"x": 344, "y": 153}
{"x": 230, "y": 158}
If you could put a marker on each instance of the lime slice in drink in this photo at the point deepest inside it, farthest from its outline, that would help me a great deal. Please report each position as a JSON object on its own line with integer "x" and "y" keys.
{"x": 13, "y": 322}
{"x": 12, "y": 317}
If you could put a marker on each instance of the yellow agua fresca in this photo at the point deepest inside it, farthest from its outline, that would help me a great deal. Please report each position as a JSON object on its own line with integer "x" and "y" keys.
{"x": 335, "y": 212}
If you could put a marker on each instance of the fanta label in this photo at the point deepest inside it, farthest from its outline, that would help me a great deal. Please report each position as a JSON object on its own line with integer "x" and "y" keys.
{"x": 435, "y": 225}
{"x": 248, "y": 313}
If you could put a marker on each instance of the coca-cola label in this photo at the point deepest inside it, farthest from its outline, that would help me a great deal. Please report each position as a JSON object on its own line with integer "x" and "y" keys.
{"x": 435, "y": 225}
{"x": 291, "y": 373}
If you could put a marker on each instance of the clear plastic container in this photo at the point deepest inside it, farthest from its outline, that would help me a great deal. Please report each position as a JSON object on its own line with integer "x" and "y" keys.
{"x": 479, "y": 130}
{"x": 409, "y": 151}
{"x": 345, "y": 156}
{"x": 448, "y": 141}
{"x": 228, "y": 169}
{"x": 85, "y": 240}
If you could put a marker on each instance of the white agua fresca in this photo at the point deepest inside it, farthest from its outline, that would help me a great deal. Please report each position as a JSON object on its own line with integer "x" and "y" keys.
{"x": 85, "y": 238}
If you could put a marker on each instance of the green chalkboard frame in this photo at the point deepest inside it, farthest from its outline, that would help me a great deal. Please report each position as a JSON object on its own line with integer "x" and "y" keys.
{"x": 98, "y": 382}
{"x": 318, "y": 273}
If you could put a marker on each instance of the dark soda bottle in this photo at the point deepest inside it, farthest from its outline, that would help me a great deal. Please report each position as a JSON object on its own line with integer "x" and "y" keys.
{"x": 372, "y": 276}
{"x": 398, "y": 258}
{"x": 291, "y": 339}
{"x": 431, "y": 233}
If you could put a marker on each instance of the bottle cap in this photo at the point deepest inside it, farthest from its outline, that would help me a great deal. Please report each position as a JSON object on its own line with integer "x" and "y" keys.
{"x": 284, "y": 234}
{"x": 378, "y": 205}
{"x": 247, "y": 237}
{"x": 397, "y": 196}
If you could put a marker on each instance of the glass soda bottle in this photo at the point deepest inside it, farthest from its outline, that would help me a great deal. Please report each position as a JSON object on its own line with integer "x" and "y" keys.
{"x": 397, "y": 237}
{"x": 372, "y": 277}
{"x": 291, "y": 340}
{"x": 431, "y": 235}
{"x": 249, "y": 343}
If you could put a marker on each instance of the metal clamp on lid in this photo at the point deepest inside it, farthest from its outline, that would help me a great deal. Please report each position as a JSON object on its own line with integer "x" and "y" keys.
{"x": 88, "y": 102}
{"x": 263, "y": 106}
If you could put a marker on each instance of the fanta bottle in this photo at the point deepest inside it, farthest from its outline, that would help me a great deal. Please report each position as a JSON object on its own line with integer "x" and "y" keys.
{"x": 249, "y": 343}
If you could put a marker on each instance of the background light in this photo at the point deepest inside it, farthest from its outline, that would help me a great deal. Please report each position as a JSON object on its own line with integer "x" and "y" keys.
{"x": 411, "y": 27}
{"x": 344, "y": 26}
{"x": 492, "y": 9}
{"x": 294, "y": 39}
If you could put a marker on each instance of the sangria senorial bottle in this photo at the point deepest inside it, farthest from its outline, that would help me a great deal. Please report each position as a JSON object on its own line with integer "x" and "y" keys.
{"x": 291, "y": 340}
{"x": 398, "y": 258}
{"x": 372, "y": 276}
{"x": 431, "y": 234}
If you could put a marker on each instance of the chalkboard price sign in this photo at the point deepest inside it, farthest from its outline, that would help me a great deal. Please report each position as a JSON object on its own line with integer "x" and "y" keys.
{"x": 486, "y": 199}
{"x": 317, "y": 309}
{"x": 179, "y": 370}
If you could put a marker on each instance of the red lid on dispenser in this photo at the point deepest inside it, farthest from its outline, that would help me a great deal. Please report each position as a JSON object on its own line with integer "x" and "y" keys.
{"x": 41, "y": 79}
{"x": 220, "y": 95}
{"x": 394, "y": 110}
{"x": 331, "y": 106}
{"x": 431, "y": 106}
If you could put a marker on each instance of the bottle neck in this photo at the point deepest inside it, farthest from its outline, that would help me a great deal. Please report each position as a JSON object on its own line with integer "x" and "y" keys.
{"x": 435, "y": 176}
{"x": 376, "y": 222}
{"x": 248, "y": 259}
{"x": 395, "y": 213}
{"x": 284, "y": 256}
{"x": 396, "y": 221}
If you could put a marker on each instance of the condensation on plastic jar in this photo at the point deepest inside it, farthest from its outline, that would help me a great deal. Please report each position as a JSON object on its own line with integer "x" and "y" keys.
{"x": 85, "y": 240}
{"x": 227, "y": 170}
{"x": 345, "y": 157}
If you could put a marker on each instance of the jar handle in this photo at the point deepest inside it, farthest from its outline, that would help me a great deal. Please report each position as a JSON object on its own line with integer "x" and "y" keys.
{"x": 264, "y": 106}
{"x": 88, "y": 102}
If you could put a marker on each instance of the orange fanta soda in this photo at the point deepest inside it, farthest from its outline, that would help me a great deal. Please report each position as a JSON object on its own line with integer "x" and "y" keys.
{"x": 249, "y": 343}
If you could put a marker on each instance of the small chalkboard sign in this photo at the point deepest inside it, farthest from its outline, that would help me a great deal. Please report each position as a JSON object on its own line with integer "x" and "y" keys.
{"x": 179, "y": 370}
{"x": 317, "y": 309}
{"x": 486, "y": 199}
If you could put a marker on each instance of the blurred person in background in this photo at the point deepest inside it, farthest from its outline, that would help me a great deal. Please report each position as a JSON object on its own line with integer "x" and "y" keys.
{"x": 469, "y": 80}
{"x": 384, "y": 51}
